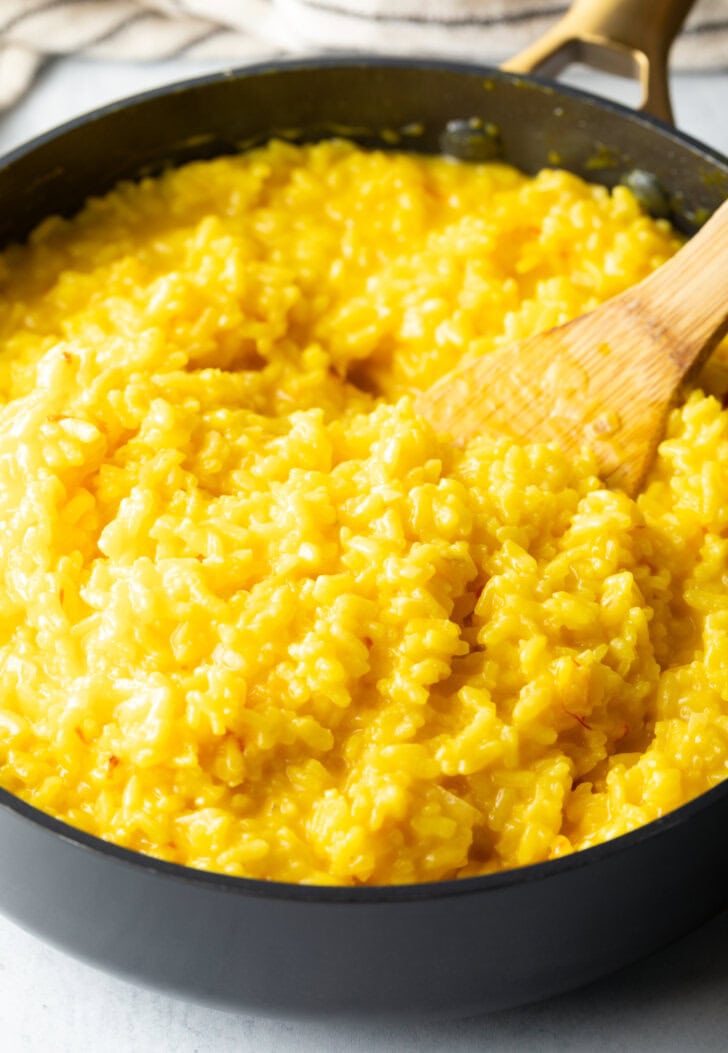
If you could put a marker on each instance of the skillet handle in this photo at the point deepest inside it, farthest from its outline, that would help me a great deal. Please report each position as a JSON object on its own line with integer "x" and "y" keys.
{"x": 628, "y": 37}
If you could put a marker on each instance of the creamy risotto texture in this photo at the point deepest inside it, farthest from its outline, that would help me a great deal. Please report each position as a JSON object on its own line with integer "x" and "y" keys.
{"x": 255, "y": 615}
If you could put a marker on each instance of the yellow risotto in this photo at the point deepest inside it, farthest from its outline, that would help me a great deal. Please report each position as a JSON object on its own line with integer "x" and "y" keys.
{"x": 255, "y": 615}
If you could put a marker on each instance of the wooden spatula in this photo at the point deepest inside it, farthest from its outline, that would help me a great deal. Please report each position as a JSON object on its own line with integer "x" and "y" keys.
{"x": 607, "y": 379}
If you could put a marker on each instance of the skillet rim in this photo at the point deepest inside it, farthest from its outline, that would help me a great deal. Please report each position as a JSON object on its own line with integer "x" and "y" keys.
{"x": 349, "y": 60}
{"x": 716, "y": 797}
{"x": 364, "y": 894}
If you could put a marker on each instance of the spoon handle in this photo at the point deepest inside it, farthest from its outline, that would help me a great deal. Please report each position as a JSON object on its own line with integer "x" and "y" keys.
{"x": 686, "y": 299}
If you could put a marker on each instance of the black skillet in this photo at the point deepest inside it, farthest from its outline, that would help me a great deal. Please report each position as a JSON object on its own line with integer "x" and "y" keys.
{"x": 457, "y": 947}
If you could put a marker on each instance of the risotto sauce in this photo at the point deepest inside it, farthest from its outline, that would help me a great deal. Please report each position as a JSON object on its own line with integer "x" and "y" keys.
{"x": 255, "y": 616}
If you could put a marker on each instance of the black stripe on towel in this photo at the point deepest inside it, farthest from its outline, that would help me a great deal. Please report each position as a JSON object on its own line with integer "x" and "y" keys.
{"x": 109, "y": 34}
{"x": 487, "y": 22}
{"x": 38, "y": 9}
{"x": 205, "y": 35}
{"x": 718, "y": 25}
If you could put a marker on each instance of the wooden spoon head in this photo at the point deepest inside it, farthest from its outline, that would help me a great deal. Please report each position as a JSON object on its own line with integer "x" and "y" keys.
{"x": 599, "y": 381}
{"x": 606, "y": 380}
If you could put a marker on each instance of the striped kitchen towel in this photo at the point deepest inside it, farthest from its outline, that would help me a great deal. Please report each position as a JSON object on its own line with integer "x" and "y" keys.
{"x": 245, "y": 30}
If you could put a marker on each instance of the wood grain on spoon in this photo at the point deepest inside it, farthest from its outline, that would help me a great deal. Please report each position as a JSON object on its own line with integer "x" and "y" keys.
{"x": 607, "y": 379}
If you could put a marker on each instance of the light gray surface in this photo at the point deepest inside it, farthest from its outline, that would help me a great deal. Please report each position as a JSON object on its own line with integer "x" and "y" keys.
{"x": 676, "y": 1000}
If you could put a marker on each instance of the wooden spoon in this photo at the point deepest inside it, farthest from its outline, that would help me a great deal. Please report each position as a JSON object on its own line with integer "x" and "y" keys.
{"x": 607, "y": 379}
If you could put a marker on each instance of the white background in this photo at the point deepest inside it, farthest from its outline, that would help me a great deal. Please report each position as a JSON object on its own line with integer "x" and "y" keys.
{"x": 676, "y": 1000}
